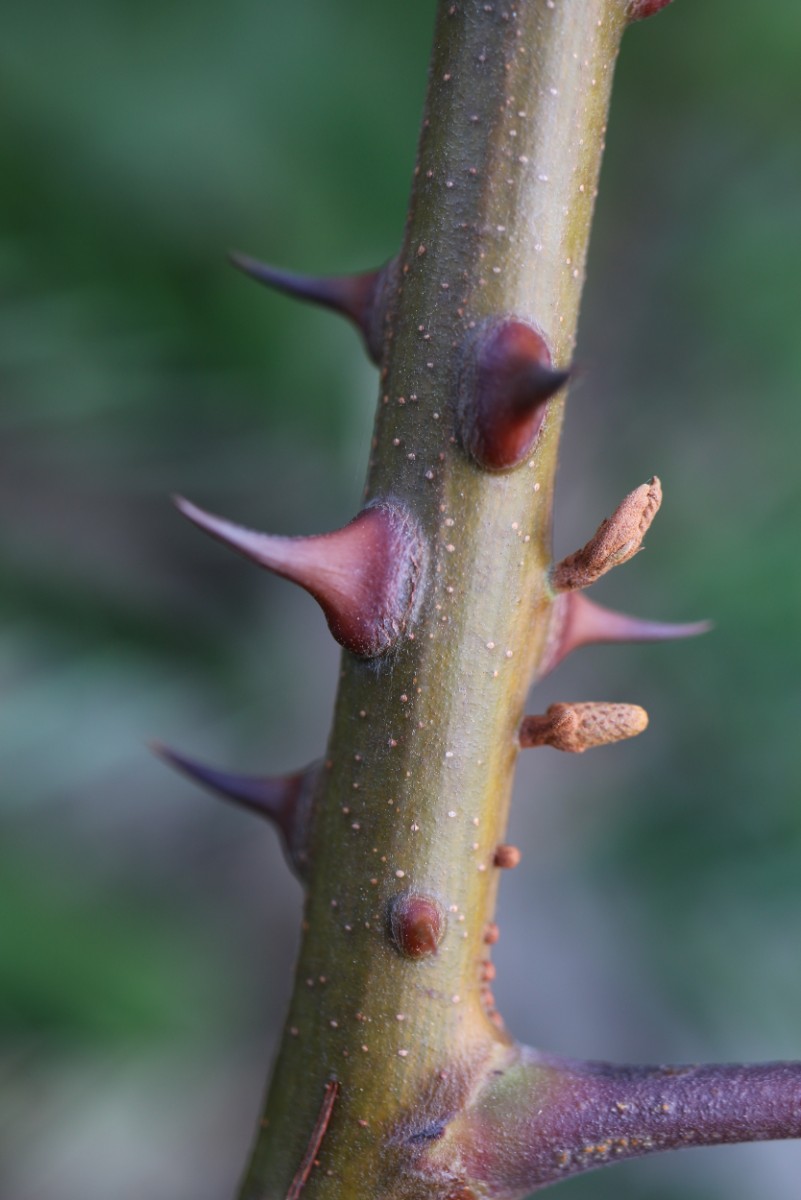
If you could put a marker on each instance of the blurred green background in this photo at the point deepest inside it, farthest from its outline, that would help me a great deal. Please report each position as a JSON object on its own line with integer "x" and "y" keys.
{"x": 147, "y": 933}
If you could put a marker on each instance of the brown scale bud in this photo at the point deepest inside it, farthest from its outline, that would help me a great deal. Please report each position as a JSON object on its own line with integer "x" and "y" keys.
{"x": 616, "y": 540}
{"x": 287, "y": 801}
{"x": 366, "y": 577}
{"x": 577, "y": 621}
{"x": 491, "y": 933}
{"x": 579, "y": 727}
{"x": 506, "y": 381}
{"x": 507, "y": 857}
{"x": 416, "y": 924}
{"x": 361, "y": 298}
{"x": 488, "y": 971}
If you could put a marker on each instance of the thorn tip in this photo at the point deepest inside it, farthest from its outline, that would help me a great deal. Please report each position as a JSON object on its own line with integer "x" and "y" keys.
{"x": 286, "y": 801}
{"x": 361, "y": 297}
{"x": 578, "y": 621}
{"x": 505, "y": 384}
{"x": 640, "y": 9}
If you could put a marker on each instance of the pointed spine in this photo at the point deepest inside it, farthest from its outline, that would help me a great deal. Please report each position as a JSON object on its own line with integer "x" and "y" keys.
{"x": 286, "y": 801}
{"x": 504, "y": 389}
{"x": 362, "y": 298}
{"x": 640, "y": 9}
{"x": 579, "y": 727}
{"x": 367, "y": 577}
{"x": 578, "y": 621}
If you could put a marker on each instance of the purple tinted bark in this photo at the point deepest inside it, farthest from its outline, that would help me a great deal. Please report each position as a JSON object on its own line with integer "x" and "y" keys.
{"x": 549, "y": 1118}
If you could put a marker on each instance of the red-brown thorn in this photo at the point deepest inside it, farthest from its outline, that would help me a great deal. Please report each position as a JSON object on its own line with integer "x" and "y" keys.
{"x": 360, "y": 298}
{"x": 579, "y": 727}
{"x": 578, "y": 621}
{"x": 506, "y": 857}
{"x": 366, "y": 577}
{"x": 286, "y": 800}
{"x": 505, "y": 383}
{"x": 639, "y": 9}
{"x": 416, "y": 924}
{"x": 615, "y": 541}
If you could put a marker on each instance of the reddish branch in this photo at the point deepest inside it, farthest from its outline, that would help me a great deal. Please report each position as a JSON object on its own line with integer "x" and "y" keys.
{"x": 597, "y": 1113}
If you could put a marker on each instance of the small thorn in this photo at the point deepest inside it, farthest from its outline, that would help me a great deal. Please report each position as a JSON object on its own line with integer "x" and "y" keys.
{"x": 286, "y": 801}
{"x": 366, "y": 576}
{"x": 506, "y": 382}
{"x": 616, "y": 540}
{"x": 506, "y": 857}
{"x": 579, "y": 727}
{"x": 639, "y": 9}
{"x": 360, "y": 298}
{"x": 577, "y": 621}
{"x": 416, "y": 924}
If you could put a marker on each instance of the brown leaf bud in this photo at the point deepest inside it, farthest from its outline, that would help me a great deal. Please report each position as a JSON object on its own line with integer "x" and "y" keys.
{"x": 579, "y": 727}
{"x": 616, "y": 540}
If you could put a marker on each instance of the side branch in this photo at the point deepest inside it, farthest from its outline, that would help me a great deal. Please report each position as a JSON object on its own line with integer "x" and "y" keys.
{"x": 548, "y": 1118}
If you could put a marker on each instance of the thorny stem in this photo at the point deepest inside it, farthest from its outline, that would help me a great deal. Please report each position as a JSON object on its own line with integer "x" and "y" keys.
{"x": 434, "y": 1101}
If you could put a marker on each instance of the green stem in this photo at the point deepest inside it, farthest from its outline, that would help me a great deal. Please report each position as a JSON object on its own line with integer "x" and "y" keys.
{"x": 421, "y": 757}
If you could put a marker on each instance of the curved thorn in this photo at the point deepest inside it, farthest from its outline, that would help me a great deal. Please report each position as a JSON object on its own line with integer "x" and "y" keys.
{"x": 365, "y": 576}
{"x": 578, "y": 621}
{"x": 356, "y": 297}
{"x": 270, "y": 797}
{"x": 285, "y": 800}
{"x": 640, "y": 9}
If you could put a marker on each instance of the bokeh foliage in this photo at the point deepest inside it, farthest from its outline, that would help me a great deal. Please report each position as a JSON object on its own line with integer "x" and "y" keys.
{"x": 146, "y": 935}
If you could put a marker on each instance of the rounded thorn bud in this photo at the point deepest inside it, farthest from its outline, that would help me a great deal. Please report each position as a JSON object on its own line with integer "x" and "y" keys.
{"x": 506, "y": 857}
{"x": 416, "y": 924}
{"x": 505, "y": 383}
